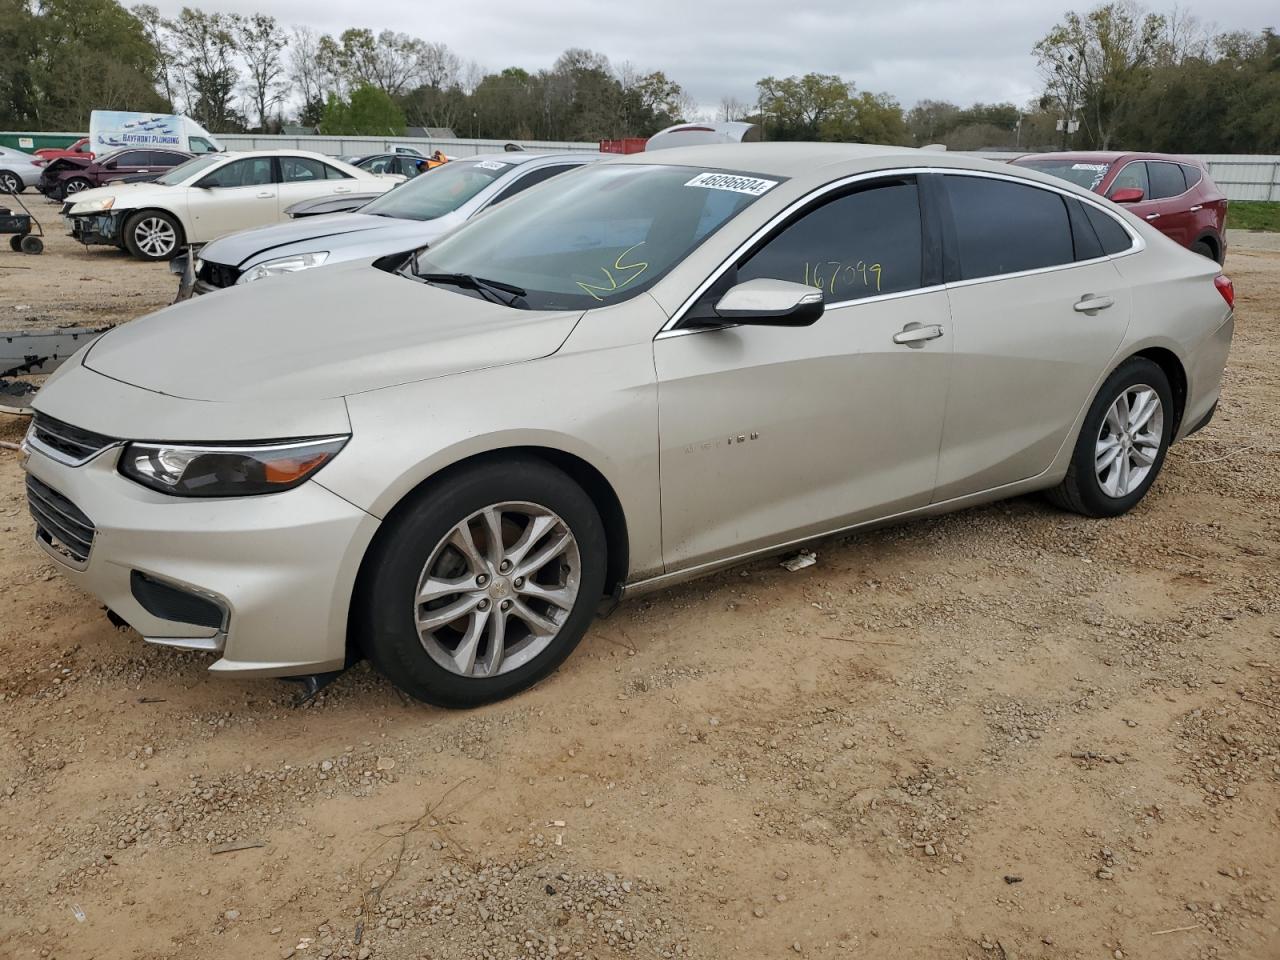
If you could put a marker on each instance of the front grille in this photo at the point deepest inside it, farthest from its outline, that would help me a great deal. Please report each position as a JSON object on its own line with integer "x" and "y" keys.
{"x": 75, "y": 444}
{"x": 218, "y": 274}
{"x": 59, "y": 522}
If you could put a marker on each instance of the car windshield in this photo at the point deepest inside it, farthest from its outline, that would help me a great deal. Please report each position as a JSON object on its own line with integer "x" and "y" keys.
{"x": 1082, "y": 173}
{"x": 184, "y": 171}
{"x": 448, "y": 188}
{"x": 598, "y": 237}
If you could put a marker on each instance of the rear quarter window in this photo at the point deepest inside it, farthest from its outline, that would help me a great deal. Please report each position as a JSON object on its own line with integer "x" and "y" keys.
{"x": 1113, "y": 237}
{"x": 1004, "y": 227}
{"x": 1166, "y": 180}
{"x": 1192, "y": 173}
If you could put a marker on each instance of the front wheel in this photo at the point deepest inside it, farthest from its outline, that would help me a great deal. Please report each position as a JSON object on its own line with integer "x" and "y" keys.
{"x": 152, "y": 235}
{"x": 483, "y": 583}
{"x": 1122, "y": 443}
{"x": 75, "y": 185}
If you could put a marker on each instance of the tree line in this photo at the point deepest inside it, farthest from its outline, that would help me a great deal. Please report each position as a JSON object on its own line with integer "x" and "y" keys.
{"x": 1115, "y": 76}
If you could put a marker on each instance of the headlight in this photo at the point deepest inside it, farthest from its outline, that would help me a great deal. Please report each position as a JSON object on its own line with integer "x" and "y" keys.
{"x": 217, "y": 470}
{"x": 95, "y": 206}
{"x": 283, "y": 265}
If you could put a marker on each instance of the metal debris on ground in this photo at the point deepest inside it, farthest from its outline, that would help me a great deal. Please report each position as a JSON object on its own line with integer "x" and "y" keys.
{"x": 805, "y": 558}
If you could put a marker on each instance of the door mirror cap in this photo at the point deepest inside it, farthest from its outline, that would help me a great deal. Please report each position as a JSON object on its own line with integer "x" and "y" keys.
{"x": 1127, "y": 195}
{"x": 768, "y": 302}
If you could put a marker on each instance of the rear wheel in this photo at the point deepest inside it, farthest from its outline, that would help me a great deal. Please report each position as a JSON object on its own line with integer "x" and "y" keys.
{"x": 10, "y": 182}
{"x": 1204, "y": 249}
{"x": 153, "y": 235}
{"x": 483, "y": 583}
{"x": 15, "y": 243}
{"x": 75, "y": 185}
{"x": 1122, "y": 443}
{"x": 32, "y": 245}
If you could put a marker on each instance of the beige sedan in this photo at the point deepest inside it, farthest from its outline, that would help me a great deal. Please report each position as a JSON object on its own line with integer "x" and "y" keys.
{"x": 630, "y": 375}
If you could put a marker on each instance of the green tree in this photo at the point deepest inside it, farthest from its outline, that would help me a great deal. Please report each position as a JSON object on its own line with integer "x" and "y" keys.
{"x": 368, "y": 112}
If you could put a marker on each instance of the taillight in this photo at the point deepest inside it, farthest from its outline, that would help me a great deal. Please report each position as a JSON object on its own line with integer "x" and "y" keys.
{"x": 1225, "y": 287}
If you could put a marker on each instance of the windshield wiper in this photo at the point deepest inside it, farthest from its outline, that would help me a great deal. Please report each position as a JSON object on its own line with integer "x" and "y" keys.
{"x": 489, "y": 289}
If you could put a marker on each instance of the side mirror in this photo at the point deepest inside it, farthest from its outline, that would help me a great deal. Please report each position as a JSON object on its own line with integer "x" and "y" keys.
{"x": 1127, "y": 195}
{"x": 109, "y": 165}
{"x": 778, "y": 303}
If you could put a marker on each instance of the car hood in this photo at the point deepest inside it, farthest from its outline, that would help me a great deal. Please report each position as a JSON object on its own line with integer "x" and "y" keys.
{"x": 322, "y": 333}
{"x": 127, "y": 195}
{"x": 345, "y": 236}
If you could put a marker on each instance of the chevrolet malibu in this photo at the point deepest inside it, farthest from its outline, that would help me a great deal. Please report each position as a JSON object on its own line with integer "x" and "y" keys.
{"x": 657, "y": 367}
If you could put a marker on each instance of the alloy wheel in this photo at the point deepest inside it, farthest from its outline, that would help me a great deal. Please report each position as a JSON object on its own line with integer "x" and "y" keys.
{"x": 75, "y": 186}
{"x": 1129, "y": 440}
{"x": 9, "y": 183}
{"x": 496, "y": 590}
{"x": 155, "y": 237}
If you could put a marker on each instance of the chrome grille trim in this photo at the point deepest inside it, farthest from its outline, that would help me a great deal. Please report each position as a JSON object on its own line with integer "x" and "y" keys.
{"x": 61, "y": 526}
{"x": 65, "y": 443}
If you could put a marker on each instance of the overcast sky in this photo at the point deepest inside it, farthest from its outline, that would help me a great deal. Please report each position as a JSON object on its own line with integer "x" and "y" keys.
{"x": 912, "y": 49}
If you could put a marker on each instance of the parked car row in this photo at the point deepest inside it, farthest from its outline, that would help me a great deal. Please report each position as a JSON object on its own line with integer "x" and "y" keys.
{"x": 445, "y": 458}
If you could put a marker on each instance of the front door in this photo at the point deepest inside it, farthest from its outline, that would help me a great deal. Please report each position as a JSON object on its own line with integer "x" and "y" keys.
{"x": 236, "y": 196}
{"x": 770, "y": 434}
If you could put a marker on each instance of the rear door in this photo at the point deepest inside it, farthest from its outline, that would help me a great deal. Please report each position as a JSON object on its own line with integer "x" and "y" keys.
{"x": 306, "y": 178}
{"x": 1038, "y": 311}
{"x": 1172, "y": 201}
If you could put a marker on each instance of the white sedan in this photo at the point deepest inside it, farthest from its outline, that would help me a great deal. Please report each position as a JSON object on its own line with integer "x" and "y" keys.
{"x": 209, "y": 196}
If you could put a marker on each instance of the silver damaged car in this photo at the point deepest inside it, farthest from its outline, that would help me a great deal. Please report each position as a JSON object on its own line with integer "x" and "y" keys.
{"x": 661, "y": 365}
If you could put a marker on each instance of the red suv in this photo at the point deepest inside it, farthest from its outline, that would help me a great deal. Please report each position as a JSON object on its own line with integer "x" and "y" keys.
{"x": 1174, "y": 194}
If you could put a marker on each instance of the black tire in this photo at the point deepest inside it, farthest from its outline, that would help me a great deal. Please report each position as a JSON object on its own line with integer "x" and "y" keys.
{"x": 32, "y": 245}
{"x": 10, "y": 182}
{"x": 383, "y": 611}
{"x": 1204, "y": 249}
{"x": 15, "y": 242}
{"x": 140, "y": 247}
{"x": 1081, "y": 490}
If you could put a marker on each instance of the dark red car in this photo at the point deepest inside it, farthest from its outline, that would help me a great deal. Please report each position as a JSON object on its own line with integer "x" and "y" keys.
{"x": 1175, "y": 195}
{"x": 67, "y": 175}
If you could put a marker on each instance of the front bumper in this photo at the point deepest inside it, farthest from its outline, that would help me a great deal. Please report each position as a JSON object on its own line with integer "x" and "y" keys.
{"x": 280, "y": 567}
{"x": 95, "y": 228}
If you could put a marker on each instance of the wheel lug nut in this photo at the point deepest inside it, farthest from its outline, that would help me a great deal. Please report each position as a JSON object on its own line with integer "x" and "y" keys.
{"x": 519, "y": 582}
{"x": 481, "y": 580}
{"x": 506, "y": 604}
{"x": 483, "y": 605}
{"x": 504, "y": 566}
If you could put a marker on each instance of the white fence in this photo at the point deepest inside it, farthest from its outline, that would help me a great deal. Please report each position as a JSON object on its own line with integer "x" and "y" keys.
{"x": 354, "y": 146}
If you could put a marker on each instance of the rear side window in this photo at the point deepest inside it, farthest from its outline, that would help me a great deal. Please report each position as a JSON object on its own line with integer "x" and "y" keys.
{"x": 1004, "y": 227}
{"x": 1113, "y": 237}
{"x": 1193, "y": 174}
{"x": 1166, "y": 180}
{"x": 301, "y": 169}
{"x": 858, "y": 245}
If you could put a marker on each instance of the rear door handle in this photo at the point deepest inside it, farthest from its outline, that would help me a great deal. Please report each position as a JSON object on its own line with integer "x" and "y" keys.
{"x": 267, "y": 195}
{"x": 1198, "y": 206}
{"x": 1153, "y": 216}
{"x": 341, "y": 189}
{"x": 913, "y": 334}
{"x": 1091, "y": 304}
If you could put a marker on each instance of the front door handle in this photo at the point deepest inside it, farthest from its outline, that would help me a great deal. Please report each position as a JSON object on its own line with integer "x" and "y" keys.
{"x": 914, "y": 334}
{"x": 267, "y": 195}
{"x": 1153, "y": 216}
{"x": 1091, "y": 304}
{"x": 341, "y": 189}
{"x": 1198, "y": 206}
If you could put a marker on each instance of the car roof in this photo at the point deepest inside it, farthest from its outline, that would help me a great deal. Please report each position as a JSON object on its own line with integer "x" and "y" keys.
{"x": 1107, "y": 156}
{"x": 523, "y": 156}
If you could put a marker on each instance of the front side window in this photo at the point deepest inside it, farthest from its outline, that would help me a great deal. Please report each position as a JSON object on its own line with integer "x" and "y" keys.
{"x": 598, "y": 237}
{"x": 861, "y": 244}
{"x": 200, "y": 145}
{"x": 1003, "y": 227}
{"x": 378, "y": 165}
{"x": 533, "y": 178}
{"x": 249, "y": 172}
{"x": 1166, "y": 180}
{"x": 129, "y": 158}
{"x": 1132, "y": 176}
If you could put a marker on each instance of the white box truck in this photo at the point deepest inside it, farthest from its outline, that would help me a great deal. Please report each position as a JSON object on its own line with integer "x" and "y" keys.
{"x": 110, "y": 130}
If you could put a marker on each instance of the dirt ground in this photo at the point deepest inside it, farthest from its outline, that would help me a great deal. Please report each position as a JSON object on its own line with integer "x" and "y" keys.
{"x": 1007, "y": 733}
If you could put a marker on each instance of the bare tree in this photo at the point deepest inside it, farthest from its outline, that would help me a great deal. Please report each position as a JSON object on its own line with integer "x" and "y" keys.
{"x": 731, "y": 108}
{"x": 306, "y": 72}
{"x": 206, "y": 64}
{"x": 157, "y": 30}
{"x": 438, "y": 66}
{"x": 261, "y": 43}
